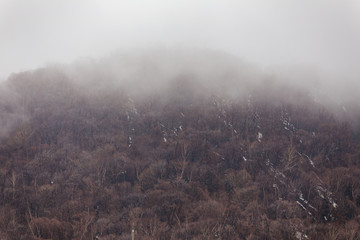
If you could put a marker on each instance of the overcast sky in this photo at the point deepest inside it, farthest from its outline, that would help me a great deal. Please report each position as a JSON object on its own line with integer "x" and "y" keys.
{"x": 322, "y": 33}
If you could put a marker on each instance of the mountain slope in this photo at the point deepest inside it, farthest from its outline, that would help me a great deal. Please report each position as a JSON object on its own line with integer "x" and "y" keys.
{"x": 86, "y": 161}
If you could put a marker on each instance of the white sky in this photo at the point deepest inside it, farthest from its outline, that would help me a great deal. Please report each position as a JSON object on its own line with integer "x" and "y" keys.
{"x": 323, "y": 33}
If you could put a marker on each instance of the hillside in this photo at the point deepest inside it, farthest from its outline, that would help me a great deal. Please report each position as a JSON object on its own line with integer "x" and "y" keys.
{"x": 94, "y": 159}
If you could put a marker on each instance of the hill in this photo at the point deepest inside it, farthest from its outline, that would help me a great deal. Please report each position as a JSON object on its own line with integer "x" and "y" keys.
{"x": 84, "y": 156}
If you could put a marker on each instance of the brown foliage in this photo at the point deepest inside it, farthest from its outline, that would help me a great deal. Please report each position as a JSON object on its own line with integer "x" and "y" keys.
{"x": 91, "y": 165}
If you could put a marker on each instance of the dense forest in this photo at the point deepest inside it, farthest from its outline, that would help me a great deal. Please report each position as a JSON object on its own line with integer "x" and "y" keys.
{"x": 184, "y": 162}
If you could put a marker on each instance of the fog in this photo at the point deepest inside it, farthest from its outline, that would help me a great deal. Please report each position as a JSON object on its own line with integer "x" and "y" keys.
{"x": 169, "y": 75}
{"x": 323, "y": 34}
{"x": 310, "y": 45}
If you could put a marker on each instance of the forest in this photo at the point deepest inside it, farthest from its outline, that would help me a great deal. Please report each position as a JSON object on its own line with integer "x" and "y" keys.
{"x": 89, "y": 160}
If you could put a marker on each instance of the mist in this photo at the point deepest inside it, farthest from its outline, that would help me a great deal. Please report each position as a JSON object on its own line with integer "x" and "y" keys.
{"x": 277, "y": 33}
{"x": 140, "y": 48}
{"x": 179, "y": 75}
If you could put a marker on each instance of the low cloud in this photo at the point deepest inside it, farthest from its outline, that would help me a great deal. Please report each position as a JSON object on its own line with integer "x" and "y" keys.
{"x": 185, "y": 74}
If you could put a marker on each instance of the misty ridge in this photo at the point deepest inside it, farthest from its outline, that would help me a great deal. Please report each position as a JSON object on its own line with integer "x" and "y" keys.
{"x": 171, "y": 75}
{"x": 178, "y": 144}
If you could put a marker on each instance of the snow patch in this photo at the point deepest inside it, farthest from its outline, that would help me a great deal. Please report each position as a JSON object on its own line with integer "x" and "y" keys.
{"x": 311, "y": 162}
{"x": 300, "y": 235}
{"x": 259, "y": 136}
